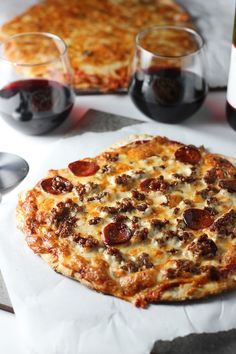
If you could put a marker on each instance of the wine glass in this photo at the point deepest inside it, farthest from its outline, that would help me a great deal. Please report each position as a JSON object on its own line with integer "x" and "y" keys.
{"x": 168, "y": 80}
{"x": 35, "y": 92}
{"x": 35, "y": 82}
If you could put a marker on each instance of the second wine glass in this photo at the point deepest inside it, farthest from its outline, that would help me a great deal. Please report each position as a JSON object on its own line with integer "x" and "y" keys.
{"x": 168, "y": 81}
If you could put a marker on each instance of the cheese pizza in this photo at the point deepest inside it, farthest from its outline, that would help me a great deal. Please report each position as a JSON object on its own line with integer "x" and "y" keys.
{"x": 99, "y": 34}
{"x": 148, "y": 220}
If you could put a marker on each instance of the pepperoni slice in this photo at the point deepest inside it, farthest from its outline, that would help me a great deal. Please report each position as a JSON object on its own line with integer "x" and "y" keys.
{"x": 197, "y": 219}
{"x": 188, "y": 154}
{"x": 229, "y": 184}
{"x": 83, "y": 168}
{"x": 116, "y": 233}
{"x": 56, "y": 185}
{"x": 149, "y": 185}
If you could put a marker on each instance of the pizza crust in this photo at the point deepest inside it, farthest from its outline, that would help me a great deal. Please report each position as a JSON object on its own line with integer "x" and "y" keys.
{"x": 130, "y": 139}
{"x": 229, "y": 158}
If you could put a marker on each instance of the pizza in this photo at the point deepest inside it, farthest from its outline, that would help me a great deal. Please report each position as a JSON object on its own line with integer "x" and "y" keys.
{"x": 99, "y": 34}
{"x": 148, "y": 220}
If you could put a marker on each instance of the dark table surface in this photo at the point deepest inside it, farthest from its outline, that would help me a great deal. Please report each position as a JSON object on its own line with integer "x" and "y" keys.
{"x": 206, "y": 343}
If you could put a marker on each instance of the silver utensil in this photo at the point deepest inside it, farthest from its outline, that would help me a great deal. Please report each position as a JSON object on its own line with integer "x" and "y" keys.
{"x": 13, "y": 170}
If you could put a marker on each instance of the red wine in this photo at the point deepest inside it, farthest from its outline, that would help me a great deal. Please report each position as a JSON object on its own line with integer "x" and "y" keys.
{"x": 35, "y": 106}
{"x": 168, "y": 95}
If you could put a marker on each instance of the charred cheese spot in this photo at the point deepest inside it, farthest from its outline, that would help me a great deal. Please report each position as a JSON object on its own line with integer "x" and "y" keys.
{"x": 217, "y": 161}
{"x": 229, "y": 258}
{"x": 134, "y": 283}
{"x": 229, "y": 184}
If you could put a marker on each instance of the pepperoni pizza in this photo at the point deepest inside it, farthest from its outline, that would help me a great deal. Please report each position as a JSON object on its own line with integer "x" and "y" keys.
{"x": 146, "y": 221}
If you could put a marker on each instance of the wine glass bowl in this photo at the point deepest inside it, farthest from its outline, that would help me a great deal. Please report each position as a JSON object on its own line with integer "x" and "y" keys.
{"x": 167, "y": 78}
{"x": 36, "y": 93}
{"x": 13, "y": 169}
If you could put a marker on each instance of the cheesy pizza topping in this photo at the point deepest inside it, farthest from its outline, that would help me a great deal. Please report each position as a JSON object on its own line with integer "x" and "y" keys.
{"x": 149, "y": 221}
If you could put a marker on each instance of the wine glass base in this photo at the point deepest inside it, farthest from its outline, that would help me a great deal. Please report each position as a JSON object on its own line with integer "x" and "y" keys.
{"x": 13, "y": 169}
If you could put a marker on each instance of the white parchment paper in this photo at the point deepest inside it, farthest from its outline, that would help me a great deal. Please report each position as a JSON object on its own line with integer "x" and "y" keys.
{"x": 57, "y": 315}
{"x": 214, "y": 19}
